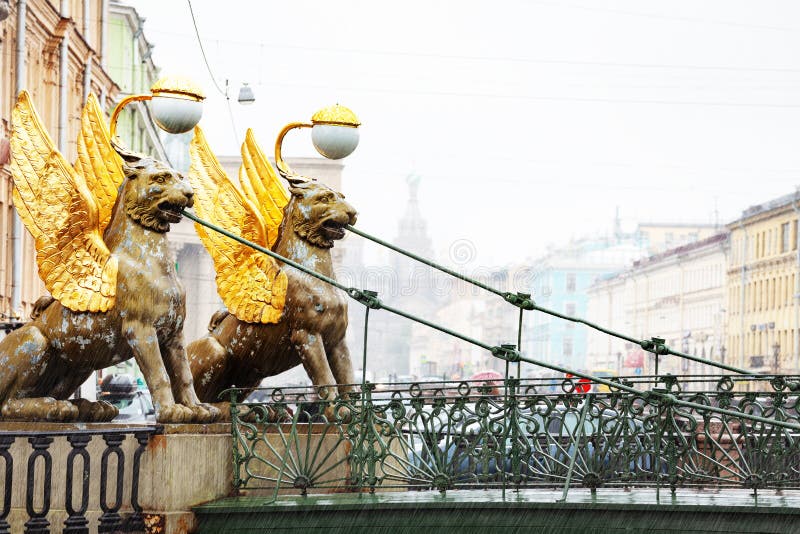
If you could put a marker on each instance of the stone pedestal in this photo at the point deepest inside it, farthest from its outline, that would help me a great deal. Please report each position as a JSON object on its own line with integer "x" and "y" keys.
{"x": 185, "y": 465}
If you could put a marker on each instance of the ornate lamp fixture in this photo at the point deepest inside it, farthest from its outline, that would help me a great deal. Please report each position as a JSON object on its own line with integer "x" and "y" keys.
{"x": 176, "y": 103}
{"x": 334, "y": 132}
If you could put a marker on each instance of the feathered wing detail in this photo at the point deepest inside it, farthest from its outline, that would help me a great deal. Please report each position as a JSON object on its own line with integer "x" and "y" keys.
{"x": 98, "y": 163}
{"x": 58, "y": 209}
{"x": 251, "y": 284}
{"x": 262, "y": 186}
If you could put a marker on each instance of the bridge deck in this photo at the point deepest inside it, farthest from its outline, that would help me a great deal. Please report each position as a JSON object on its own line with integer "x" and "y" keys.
{"x": 481, "y": 511}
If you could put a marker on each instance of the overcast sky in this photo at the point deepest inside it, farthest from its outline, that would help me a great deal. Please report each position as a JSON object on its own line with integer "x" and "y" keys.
{"x": 529, "y": 122}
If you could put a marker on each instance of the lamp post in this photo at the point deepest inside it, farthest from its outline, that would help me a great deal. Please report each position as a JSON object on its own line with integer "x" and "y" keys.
{"x": 176, "y": 104}
{"x": 334, "y": 132}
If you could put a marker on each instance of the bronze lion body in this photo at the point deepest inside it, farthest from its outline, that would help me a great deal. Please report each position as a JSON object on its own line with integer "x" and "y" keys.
{"x": 312, "y": 329}
{"x": 47, "y": 359}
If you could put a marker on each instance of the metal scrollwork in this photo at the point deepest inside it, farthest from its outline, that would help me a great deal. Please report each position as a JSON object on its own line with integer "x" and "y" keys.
{"x": 447, "y": 436}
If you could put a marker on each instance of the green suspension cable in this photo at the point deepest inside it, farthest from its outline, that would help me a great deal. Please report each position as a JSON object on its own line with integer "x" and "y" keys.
{"x": 505, "y": 352}
{"x": 524, "y": 301}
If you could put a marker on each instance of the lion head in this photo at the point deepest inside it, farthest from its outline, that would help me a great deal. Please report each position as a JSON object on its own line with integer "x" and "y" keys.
{"x": 319, "y": 214}
{"x": 154, "y": 194}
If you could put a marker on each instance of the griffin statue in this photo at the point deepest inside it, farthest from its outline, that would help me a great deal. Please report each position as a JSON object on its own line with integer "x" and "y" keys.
{"x": 277, "y": 317}
{"x": 100, "y": 232}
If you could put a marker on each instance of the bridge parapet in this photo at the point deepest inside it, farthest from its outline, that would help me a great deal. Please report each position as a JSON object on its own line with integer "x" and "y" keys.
{"x": 514, "y": 434}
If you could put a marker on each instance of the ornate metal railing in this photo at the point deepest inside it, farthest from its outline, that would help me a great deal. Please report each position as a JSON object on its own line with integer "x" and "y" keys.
{"x": 656, "y": 434}
{"x": 41, "y": 476}
{"x": 519, "y": 434}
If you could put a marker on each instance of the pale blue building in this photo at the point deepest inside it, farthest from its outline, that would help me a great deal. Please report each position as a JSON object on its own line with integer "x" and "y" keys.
{"x": 562, "y": 279}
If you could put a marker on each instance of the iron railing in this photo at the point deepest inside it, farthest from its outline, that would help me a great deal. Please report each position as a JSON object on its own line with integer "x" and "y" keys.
{"x": 41, "y": 476}
{"x": 654, "y": 434}
{"x": 516, "y": 434}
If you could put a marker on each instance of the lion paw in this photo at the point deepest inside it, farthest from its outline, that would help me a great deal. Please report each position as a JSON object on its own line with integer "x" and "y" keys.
{"x": 39, "y": 409}
{"x": 204, "y": 413}
{"x": 61, "y": 411}
{"x": 195, "y": 413}
{"x": 95, "y": 412}
{"x": 174, "y": 413}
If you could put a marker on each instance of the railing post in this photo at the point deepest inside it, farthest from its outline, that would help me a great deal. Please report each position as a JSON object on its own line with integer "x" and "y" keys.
{"x": 237, "y": 479}
{"x": 365, "y": 447}
{"x": 501, "y": 456}
{"x": 135, "y": 523}
{"x": 519, "y": 331}
{"x": 512, "y": 407}
{"x": 8, "y": 460}
{"x": 38, "y": 523}
{"x": 77, "y": 523}
{"x": 111, "y": 520}
{"x": 659, "y": 431}
{"x": 373, "y": 295}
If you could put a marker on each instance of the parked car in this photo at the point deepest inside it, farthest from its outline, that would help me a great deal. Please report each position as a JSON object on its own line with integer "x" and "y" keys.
{"x": 136, "y": 408}
{"x": 134, "y": 405}
{"x": 470, "y": 448}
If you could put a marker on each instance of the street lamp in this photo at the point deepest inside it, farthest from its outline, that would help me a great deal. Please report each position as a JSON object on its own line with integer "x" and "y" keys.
{"x": 246, "y": 95}
{"x": 334, "y": 132}
{"x": 176, "y": 103}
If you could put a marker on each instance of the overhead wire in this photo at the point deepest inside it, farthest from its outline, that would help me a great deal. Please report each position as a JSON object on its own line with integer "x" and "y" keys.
{"x": 463, "y": 57}
{"x": 211, "y": 73}
{"x": 617, "y": 11}
{"x": 203, "y": 51}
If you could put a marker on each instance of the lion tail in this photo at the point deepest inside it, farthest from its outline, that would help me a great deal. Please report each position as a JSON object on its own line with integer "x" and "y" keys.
{"x": 217, "y": 318}
{"x": 40, "y": 305}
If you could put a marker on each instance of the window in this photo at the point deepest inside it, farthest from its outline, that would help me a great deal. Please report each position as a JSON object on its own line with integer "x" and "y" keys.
{"x": 569, "y": 309}
{"x": 785, "y": 237}
{"x": 776, "y": 239}
{"x": 567, "y": 349}
{"x": 767, "y": 242}
{"x": 571, "y": 282}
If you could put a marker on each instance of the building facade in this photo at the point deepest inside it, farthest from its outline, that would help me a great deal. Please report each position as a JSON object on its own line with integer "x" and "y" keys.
{"x": 130, "y": 63}
{"x": 656, "y": 237}
{"x": 678, "y": 295}
{"x": 55, "y": 50}
{"x": 561, "y": 282}
{"x": 763, "y": 291}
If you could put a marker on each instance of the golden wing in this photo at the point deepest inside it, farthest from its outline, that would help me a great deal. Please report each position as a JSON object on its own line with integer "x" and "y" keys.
{"x": 251, "y": 284}
{"x": 262, "y": 186}
{"x": 98, "y": 162}
{"x": 60, "y": 212}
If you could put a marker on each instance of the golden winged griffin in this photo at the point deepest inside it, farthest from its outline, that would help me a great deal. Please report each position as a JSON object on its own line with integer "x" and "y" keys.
{"x": 100, "y": 233}
{"x": 277, "y": 317}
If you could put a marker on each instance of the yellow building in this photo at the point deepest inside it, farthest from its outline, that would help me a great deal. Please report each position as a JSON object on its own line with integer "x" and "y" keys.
{"x": 763, "y": 292}
{"x": 54, "y": 49}
{"x": 677, "y": 295}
